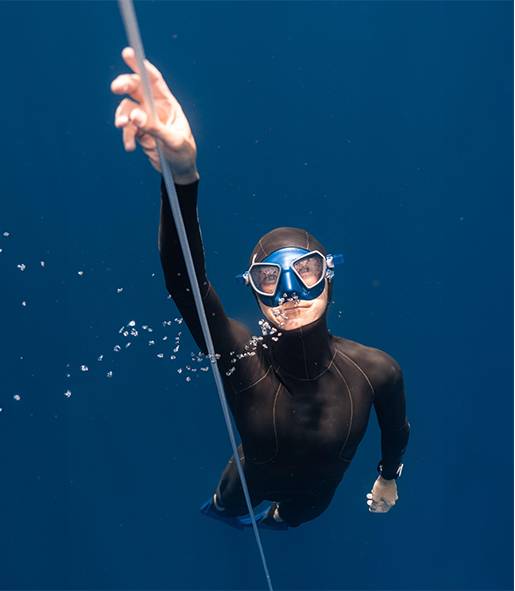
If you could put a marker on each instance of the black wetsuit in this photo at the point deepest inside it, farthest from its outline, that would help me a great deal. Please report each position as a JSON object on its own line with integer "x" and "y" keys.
{"x": 301, "y": 401}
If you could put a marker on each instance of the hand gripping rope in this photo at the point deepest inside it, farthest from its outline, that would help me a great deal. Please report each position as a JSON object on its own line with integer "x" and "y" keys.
{"x": 133, "y": 35}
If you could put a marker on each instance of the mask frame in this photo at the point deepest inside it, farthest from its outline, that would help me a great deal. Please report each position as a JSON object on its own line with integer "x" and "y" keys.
{"x": 289, "y": 284}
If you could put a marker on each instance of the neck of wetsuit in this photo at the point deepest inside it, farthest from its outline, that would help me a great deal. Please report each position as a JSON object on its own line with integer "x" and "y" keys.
{"x": 305, "y": 352}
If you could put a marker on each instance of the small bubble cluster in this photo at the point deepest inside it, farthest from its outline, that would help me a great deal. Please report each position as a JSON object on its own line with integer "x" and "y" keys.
{"x": 130, "y": 330}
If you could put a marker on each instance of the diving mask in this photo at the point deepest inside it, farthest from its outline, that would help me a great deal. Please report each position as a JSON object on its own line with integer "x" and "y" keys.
{"x": 290, "y": 274}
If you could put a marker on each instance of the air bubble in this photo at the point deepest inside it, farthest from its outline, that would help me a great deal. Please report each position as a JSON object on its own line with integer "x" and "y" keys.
{"x": 17, "y": 397}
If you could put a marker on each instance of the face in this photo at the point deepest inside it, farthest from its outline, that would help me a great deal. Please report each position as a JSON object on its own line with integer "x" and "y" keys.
{"x": 295, "y": 314}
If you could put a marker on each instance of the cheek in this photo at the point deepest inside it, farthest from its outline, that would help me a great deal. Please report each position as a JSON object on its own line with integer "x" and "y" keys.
{"x": 266, "y": 311}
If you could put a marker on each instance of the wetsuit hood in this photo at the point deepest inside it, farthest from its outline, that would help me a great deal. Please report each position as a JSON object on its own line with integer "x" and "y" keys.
{"x": 284, "y": 238}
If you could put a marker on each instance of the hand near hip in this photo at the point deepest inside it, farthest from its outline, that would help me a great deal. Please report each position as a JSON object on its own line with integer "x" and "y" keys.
{"x": 383, "y": 496}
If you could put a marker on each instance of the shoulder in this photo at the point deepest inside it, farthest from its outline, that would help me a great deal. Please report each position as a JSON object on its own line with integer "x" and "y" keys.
{"x": 381, "y": 369}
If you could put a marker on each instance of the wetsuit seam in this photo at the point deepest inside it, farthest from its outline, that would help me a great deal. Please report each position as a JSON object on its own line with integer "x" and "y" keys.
{"x": 351, "y": 412}
{"x": 364, "y": 374}
{"x": 190, "y": 302}
{"x": 281, "y": 369}
{"x": 400, "y": 428}
{"x": 304, "y": 354}
{"x": 275, "y": 431}
{"x": 255, "y": 383}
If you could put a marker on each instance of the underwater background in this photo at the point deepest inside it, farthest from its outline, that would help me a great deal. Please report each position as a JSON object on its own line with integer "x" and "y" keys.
{"x": 383, "y": 128}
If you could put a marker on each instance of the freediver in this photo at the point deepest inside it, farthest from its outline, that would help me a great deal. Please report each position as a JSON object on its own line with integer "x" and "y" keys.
{"x": 300, "y": 397}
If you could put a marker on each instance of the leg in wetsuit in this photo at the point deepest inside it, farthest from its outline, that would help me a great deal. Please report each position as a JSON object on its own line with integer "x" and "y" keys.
{"x": 294, "y": 508}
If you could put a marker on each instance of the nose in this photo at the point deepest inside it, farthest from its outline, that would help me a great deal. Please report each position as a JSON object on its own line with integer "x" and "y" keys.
{"x": 288, "y": 284}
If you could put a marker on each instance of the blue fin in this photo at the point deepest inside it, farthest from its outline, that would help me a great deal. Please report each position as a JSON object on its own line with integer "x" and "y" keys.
{"x": 263, "y": 522}
{"x": 209, "y": 509}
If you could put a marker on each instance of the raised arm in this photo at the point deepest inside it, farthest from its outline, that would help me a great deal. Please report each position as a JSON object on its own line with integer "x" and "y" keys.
{"x": 172, "y": 129}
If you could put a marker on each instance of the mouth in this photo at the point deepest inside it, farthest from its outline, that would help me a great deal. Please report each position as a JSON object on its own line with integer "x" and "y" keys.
{"x": 293, "y": 308}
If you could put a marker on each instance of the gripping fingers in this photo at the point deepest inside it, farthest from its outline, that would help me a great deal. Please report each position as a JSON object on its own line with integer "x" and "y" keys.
{"x": 129, "y": 111}
{"x": 380, "y": 506}
{"x": 130, "y": 117}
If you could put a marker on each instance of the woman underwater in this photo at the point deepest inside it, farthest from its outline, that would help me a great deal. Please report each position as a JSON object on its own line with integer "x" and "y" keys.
{"x": 300, "y": 397}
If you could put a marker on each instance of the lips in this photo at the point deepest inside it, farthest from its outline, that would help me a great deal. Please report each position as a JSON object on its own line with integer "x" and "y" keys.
{"x": 294, "y": 308}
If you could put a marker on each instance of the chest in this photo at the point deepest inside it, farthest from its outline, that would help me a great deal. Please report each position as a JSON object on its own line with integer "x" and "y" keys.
{"x": 283, "y": 413}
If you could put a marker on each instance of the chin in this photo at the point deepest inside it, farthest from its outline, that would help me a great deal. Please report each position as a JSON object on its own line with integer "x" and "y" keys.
{"x": 292, "y": 323}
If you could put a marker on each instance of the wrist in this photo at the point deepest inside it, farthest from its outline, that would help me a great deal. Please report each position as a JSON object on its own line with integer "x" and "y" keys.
{"x": 385, "y": 480}
{"x": 185, "y": 177}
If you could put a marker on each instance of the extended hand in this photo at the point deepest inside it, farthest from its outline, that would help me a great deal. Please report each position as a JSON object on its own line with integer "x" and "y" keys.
{"x": 383, "y": 496}
{"x": 170, "y": 126}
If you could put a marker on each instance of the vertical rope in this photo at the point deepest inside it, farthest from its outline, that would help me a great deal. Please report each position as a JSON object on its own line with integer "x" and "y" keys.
{"x": 133, "y": 35}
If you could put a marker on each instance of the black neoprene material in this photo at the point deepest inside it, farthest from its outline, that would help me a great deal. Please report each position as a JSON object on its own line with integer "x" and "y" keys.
{"x": 301, "y": 401}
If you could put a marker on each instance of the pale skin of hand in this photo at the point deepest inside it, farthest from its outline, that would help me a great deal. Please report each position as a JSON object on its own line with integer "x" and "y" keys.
{"x": 170, "y": 127}
{"x": 383, "y": 496}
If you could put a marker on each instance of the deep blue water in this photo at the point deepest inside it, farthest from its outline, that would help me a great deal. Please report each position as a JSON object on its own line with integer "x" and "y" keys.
{"x": 383, "y": 128}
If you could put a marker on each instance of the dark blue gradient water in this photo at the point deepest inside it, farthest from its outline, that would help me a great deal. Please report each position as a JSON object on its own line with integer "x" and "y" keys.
{"x": 383, "y": 128}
